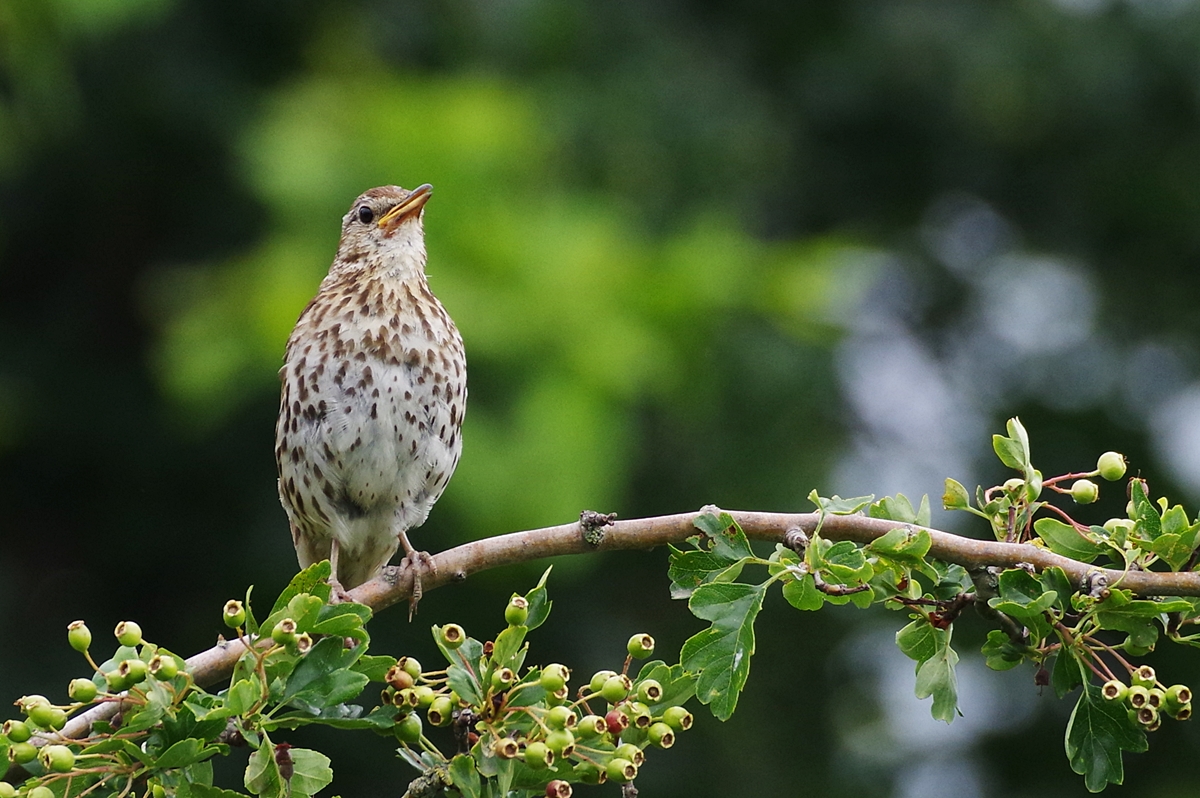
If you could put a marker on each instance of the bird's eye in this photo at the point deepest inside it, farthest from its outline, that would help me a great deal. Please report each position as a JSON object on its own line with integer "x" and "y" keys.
{"x": 365, "y": 215}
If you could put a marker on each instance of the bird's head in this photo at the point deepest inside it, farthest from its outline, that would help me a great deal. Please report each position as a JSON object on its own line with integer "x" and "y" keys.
{"x": 383, "y": 229}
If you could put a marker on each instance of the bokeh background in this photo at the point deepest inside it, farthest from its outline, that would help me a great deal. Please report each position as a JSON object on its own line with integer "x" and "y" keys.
{"x": 700, "y": 252}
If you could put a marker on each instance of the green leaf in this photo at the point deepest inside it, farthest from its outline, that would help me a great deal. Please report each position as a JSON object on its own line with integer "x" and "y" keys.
{"x": 464, "y": 671}
{"x": 907, "y": 547}
{"x": 1009, "y": 452}
{"x": 935, "y": 666}
{"x": 720, "y": 655}
{"x": 836, "y": 505}
{"x": 244, "y": 695}
{"x": 506, "y": 646}
{"x": 1055, "y": 579}
{"x": 312, "y": 580}
{"x": 678, "y": 686}
{"x": 1144, "y": 511}
{"x": 262, "y": 773}
{"x": 918, "y": 640}
{"x": 1062, "y": 538}
{"x": 955, "y": 496}
{"x": 539, "y": 602}
{"x": 690, "y": 569}
{"x": 729, "y": 541}
{"x": 311, "y": 771}
{"x": 341, "y": 620}
{"x": 323, "y": 677}
{"x": 184, "y": 753}
{"x": 465, "y": 777}
{"x": 899, "y": 508}
{"x": 1000, "y": 653}
{"x": 802, "y": 593}
{"x": 1097, "y": 733}
{"x": 192, "y": 790}
{"x": 1022, "y": 595}
{"x": 846, "y": 563}
{"x": 374, "y": 667}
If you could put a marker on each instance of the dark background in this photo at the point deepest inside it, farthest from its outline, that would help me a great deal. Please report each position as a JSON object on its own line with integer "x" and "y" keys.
{"x": 700, "y": 253}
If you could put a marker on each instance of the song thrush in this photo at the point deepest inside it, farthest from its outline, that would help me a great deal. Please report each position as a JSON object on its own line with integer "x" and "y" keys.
{"x": 374, "y": 392}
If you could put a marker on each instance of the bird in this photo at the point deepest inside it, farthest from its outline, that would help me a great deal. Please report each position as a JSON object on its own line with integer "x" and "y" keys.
{"x": 374, "y": 390}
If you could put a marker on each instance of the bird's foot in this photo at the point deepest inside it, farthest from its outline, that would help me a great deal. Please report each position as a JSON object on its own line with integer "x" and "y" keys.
{"x": 421, "y": 564}
{"x": 337, "y": 593}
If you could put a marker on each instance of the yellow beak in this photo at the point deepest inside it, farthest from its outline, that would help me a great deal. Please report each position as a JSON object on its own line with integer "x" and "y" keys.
{"x": 410, "y": 205}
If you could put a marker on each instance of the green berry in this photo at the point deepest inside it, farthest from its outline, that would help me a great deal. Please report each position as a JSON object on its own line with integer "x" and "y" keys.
{"x": 17, "y": 731}
{"x": 79, "y": 636}
{"x": 517, "y": 611}
{"x": 538, "y": 756}
{"x": 425, "y": 695}
{"x": 1111, "y": 466}
{"x": 22, "y": 752}
{"x": 7, "y": 790}
{"x": 409, "y": 729}
{"x": 234, "y": 614}
{"x": 506, "y": 748}
{"x": 82, "y": 690}
{"x": 558, "y": 697}
{"x": 1147, "y": 715}
{"x": 40, "y": 791}
{"x": 502, "y": 679}
{"x": 1114, "y": 690}
{"x": 410, "y": 665}
{"x": 1176, "y": 696}
{"x": 128, "y": 633}
{"x": 57, "y": 758}
{"x": 554, "y": 677}
{"x": 406, "y": 698}
{"x": 163, "y": 667}
{"x": 1138, "y": 696}
{"x": 621, "y": 770}
{"x": 26, "y": 703}
{"x": 560, "y": 718}
{"x": 45, "y": 716}
{"x": 639, "y": 713}
{"x": 1084, "y": 491}
{"x": 451, "y": 635}
{"x": 284, "y": 633}
{"x": 649, "y": 691}
{"x": 640, "y": 646}
{"x": 116, "y": 681}
{"x": 661, "y": 735}
{"x": 440, "y": 711}
{"x": 1144, "y": 676}
{"x": 678, "y": 718}
{"x": 630, "y": 752}
{"x": 598, "y": 680}
{"x": 561, "y": 742}
{"x": 1157, "y": 697}
{"x": 1013, "y": 484}
{"x": 616, "y": 689}
{"x": 1183, "y": 712}
{"x": 133, "y": 670}
{"x": 590, "y": 726}
{"x": 303, "y": 643}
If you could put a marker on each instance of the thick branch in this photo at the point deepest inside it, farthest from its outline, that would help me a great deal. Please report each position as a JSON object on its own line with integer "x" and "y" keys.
{"x": 455, "y": 565}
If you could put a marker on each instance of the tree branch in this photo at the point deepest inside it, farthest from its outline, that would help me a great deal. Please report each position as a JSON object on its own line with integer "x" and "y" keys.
{"x": 394, "y": 585}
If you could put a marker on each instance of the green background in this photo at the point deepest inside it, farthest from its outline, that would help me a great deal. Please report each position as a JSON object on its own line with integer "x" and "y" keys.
{"x": 699, "y": 252}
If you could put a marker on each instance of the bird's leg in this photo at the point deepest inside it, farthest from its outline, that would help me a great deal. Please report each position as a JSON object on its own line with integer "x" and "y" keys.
{"x": 339, "y": 594}
{"x": 420, "y": 563}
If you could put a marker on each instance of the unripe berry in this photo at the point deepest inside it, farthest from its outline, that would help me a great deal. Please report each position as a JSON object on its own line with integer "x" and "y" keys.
{"x": 1183, "y": 712}
{"x": 560, "y": 718}
{"x": 617, "y": 721}
{"x": 1157, "y": 697}
{"x": 561, "y": 742}
{"x": 82, "y": 690}
{"x": 128, "y": 633}
{"x": 1147, "y": 715}
{"x": 598, "y": 680}
{"x": 588, "y": 773}
{"x": 425, "y": 695}
{"x": 1111, "y": 466}
{"x": 116, "y": 681}
{"x": 554, "y": 677}
{"x": 284, "y": 632}
{"x": 558, "y": 789}
{"x": 17, "y": 731}
{"x": 639, "y": 713}
{"x": 649, "y": 691}
{"x": 79, "y": 636}
{"x": 163, "y": 667}
{"x": 406, "y": 698}
{"x": 1177, "y": 695}
{"x": 517, "y": 611}
{"x": 48, "y": 717}
{"x": 621, "y": 770}
{"x": 1114, "y": 690}
{"x": 440, "y": 710}
{"x": 678, "y": 718}
{"x": 234, "y": 613}
{"x": 57, "y": 758}
{"x": 630, "y": 752}
{"x": 538, "y": 756}
{"x": 133, "y": 671}
{"x": 27, "y": 703}
{"x": 1138, "y": 696}
{"x": 409, "y": 729}
{"x": 21, "y": 753}
{"x": 661, "y": 734}
{"x": 303, "y": 643}
{"x": 558, "y": 697}
{"x": 503, "y": 679}
{"x": 506, "y": 748}
{"x": 399, "y": 678}
{"x": 616, "y": 689}
{"x": 40, "y": 791}
{"x": 640, "y": 646}
{"x": 409, "y": 665}
{"x": 1144, "y": 675}
{"x": 1013, "y": 484}
{"x": 7, "y": 790}
{"x": 590, "y": 726}
{"x": 1084, "y": 491}
{"x": 452, "y": 636}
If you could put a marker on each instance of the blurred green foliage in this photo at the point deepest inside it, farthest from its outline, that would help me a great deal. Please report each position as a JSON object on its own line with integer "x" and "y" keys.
{"x": 657, "y": 226}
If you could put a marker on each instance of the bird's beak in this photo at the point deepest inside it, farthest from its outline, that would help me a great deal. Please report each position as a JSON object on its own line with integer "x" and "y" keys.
{"x": 410, "y": 205}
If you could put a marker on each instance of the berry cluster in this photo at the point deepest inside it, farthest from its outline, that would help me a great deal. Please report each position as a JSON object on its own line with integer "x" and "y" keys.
{"x": 1147, "y": 700}
{"x": 524, "y": 730}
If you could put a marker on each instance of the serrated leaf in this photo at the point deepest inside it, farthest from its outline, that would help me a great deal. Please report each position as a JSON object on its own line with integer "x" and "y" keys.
{"x": 506, "y": 646}
{"x": 935, "y": 673}
{"x": 846, "y": 562}
{"x": 836, "y": 505}
{"x": 729, "y": 541}
{"x": 905, "y": 546}
{"x": 539, "y": 602}
{"x": 323, "y": 677}
{"x": 999, "y": 652}
{"x": 374, "y": 667}
{"x": 1065, "y": 539}
{"x": 899, "y": 508}
{"x": 341, "y": 620}
{"x": 243, "y": 695}
{"x": 465, "y": 777}
{"x": 918, "y": 640}
{"x": 678, "y": 686}
{"x": 312, "y": 580}
{"x": 720, "y": 655}
{"x": 1067, "y": 673}
{"x": 184, "y": 753}
{"x": 802, "y": 593}
{"x": 1022, "y": 595}
{"x": 262, "y": 773}
{"x": 1144, "y": 511}
{"x": 1097, "y": 733}
{"x": 1174, "y": 549}
{"x": 311, "y": 772}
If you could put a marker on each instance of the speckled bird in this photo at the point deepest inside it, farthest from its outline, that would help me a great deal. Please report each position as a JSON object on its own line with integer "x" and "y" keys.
{"x": 374, "y": 392}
